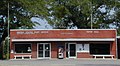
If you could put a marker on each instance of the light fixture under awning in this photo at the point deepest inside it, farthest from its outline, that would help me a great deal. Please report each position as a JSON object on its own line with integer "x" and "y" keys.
{"x": 77, "y": 39}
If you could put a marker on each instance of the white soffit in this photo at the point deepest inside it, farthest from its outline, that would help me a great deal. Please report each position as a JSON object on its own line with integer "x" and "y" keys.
{"x": 86, "y": 39}
{"x": 118, "y": 36}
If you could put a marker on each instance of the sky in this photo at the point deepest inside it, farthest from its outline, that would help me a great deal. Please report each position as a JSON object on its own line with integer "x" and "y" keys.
{"x": 43, "y": 23}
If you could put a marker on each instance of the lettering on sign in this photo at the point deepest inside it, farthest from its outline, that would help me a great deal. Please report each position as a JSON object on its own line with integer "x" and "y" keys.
{"x": 32, "y": 32}
{"x": 20, "y": 32}
{"x": 96, "y": 31}
{"x": 67, "y": 33}
{"x": 36, "y": 32}
{"x": 44, "y": 31}
{"x": 89, "y": 31}
{"x": 92, "y": 31}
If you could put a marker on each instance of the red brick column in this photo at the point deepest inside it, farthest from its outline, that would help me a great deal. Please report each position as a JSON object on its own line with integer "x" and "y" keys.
{"x": 34, "y": 50}
{"x": 11, "y": 50}
{"x": 113, "y": 48}
{"x": 53, "y": 50}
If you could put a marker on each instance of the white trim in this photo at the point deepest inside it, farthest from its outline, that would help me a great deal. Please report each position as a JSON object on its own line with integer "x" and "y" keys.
{"x": 57, "y": 29}
{"x": 43, "y": 49}
{"x": 84, "y": 39}
{"x": 118, "y": 36}
{"x": 37, "y": 50}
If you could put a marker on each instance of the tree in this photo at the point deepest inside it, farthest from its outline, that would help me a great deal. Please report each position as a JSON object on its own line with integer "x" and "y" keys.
{"x": 5, "y": 48}
{"x": 19, "y": 16}
{"x": 70, "y": 13}
{"x": 79, "y": 12}
{"x": 20, "y": 12}
{"x": 64, "y": 13}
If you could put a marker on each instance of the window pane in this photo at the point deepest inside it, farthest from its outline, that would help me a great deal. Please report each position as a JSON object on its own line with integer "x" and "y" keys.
{"x": 40, "y": 46}
{"x": 23, "y": 48}
{"x": 82, "y": 47}
{"x": 47, "y": 47}
{"x": 47, "y": 53}
{"x": 40, "y": 54}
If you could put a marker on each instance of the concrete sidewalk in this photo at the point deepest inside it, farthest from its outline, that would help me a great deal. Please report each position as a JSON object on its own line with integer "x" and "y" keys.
{"x": 61, "y": 62}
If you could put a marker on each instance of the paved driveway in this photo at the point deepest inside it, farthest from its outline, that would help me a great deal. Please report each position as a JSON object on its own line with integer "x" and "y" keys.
{"x": 61, "y": 62}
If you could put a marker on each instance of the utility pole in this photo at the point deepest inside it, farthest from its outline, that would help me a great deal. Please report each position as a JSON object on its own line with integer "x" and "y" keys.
{"x": 8, "y": 32}
{"x": 91, "y": 15}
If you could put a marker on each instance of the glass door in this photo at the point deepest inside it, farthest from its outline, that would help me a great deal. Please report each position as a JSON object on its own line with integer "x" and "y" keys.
{"x": 40, "y": 50}
{"x": 47, "y": 50}
{"x": 44, "y": 50}
{"x": 72, "y": 50}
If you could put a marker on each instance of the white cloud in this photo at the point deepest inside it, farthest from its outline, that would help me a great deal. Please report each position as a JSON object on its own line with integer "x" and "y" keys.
{"x": 43, "y": 23}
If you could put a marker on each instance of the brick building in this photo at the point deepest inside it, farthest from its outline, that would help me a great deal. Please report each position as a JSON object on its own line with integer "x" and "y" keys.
{"x": 118, "y": 47}
{"x": 79, "y": 43}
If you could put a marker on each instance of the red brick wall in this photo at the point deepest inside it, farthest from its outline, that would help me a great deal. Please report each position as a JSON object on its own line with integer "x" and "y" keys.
{"x": 34, "y": 50}
{"x": 53, "y": 50}
{"x": 11, "y": 48}
{"x": 62, "y": 34}
{"x": 83, "y": 55}
{"x": 113, "y": 49}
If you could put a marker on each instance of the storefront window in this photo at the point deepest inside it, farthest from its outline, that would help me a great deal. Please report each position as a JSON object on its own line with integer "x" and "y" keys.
{"x": 82, "y": 47}
{"x": 22, "y": 48}
{"x": 100, "y": 49}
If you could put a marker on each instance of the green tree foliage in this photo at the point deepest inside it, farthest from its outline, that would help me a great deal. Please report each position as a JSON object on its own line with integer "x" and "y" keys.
{"x": 69, "y": 13}
{"x": 79, "y": 12}
{"x": 63, "y": 13}
{"x": 21, "y": 11}
{"x": 5, "y": 48}
{"x": 20, "y": 14}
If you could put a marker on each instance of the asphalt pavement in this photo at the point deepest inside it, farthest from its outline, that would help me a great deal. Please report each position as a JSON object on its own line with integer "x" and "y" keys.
{"x": 61, "y": 62}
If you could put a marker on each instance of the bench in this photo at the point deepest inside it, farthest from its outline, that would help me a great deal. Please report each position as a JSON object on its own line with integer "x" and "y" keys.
{"x": 95, "y": 56}
{"x": 22, "y": 56}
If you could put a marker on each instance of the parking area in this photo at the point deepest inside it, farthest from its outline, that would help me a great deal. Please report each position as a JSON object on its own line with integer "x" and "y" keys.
{"x": 61, "y": 62}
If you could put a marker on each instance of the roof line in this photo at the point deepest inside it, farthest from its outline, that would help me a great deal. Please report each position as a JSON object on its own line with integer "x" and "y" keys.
{"x": 85, "y": 39}
{"x": 59, "y": 29}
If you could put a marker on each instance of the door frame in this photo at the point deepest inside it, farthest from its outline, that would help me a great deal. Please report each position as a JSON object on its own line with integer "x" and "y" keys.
{"x": 44, "y": 50}
{"x": 69, "y": 50}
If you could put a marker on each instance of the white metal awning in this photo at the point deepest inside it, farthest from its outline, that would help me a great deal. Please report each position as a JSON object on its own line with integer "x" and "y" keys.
{"x": 81, "y": 39}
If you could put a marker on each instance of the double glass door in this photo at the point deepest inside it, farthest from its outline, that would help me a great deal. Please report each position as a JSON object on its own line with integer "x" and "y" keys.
{"x": 44, "y": 50}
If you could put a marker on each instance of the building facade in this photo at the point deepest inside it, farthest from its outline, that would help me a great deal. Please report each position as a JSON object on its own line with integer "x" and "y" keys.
{"x": 46, "y": 44}
{"x": 118, "y": 47}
